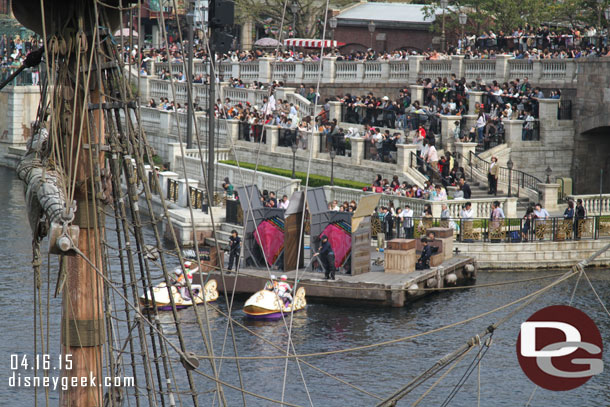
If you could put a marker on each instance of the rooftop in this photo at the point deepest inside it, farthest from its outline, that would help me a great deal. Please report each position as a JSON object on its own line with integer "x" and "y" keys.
{"x": 392, "y": 13}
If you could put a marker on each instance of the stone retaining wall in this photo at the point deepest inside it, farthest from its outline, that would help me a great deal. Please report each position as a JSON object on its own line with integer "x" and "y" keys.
{"x": 533, "y": 255}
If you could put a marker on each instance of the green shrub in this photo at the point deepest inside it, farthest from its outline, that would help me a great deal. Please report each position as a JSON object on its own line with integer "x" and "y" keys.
{"x": 315, "y": 180}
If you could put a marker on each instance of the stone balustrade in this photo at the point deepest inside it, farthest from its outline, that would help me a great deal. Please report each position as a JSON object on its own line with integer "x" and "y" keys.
{"x": 594, "y": 204}
{"x": 547, "y": 72}
{"x": 481, "y": 207}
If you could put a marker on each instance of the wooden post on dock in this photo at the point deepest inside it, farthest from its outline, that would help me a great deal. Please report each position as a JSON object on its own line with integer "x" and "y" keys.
{"x": 82, "y": 332}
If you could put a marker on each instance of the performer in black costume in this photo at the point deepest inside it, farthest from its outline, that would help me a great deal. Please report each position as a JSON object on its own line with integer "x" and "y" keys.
{"x": 327, "y": 256}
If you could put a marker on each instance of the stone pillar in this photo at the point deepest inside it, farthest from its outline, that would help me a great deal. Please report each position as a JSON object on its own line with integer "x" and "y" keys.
{"x": 156, "y": 36}
{"x": 328, "y": 69}
{"x": 246, "y": 33}
{"x": 359, "y": 71}
{"x": 163, "y": 177}
{"x": 463, "y": 152}
{"x": 173, "y": 155}
{"x": 315, "y": 144}
{"x": 548, "y": 111}
{"x": 385, "y": 72}
{"x": 357, "y": 144}
{"x": 403, "y": 156}
{"x": 299, "y": 72}
{"x": 457, "y": 65}
{"x": 537, "y": 71}
{"x": 233, "y": 129}
{"x": 502, "y": 68}
{"x": 473, "y": 98}
{"x": 264, "y": 69}
{"x": 447, "y": 129}
{"x": 510, "y": 207}
{"x": 335, "y": 111}
{"x": 513, "y": 131}
{"x": 550, "y": 194}
{"x": 417, "y": 93}
{"x": 183, "y": 191}
{"x": 235, "y": 69}
{"x": 414, "y": 62}
{"x": 272, "y": 137}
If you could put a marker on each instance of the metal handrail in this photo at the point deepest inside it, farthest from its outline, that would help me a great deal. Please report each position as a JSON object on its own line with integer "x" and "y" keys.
{"x": 506, "y": 230}
{"x": 518, "y": 178}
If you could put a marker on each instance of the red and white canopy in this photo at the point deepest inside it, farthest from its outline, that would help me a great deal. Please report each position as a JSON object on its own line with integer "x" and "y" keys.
{"x": 306, "y": 43}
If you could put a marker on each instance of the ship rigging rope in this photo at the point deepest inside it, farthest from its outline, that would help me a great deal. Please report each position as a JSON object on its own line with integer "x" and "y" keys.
{"x": 213, "y": 81}
{"x": 527, "y": 297}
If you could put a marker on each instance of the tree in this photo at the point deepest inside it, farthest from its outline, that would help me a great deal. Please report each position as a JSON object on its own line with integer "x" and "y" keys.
{"x": 268, "y": 13}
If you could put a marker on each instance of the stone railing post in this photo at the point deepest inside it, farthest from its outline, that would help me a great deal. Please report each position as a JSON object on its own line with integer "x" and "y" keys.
{"x": 264, "y": 69}
{"x": 282, "y": 93}
{"x": 273, "y": 135}
{"x": 357, "y": 149}
{"x": 359, "y": 71}
{"x": 548, "y": 111}
{"x": 550, "y": 194}
{"x": 165, "y": 122}
{"x": 328, "y": 69}
{"x": 502, "y": 67}
{"x": 537, "y": 71}
{"x": 570, "y": 70}
{"x": 474, "y": 97}
{"x": 513, "y": 130}
{"x": 447, "y": 129}
{"x": 335, "y": 111}
{"x": 315, "y": 144}
{"x": 299, "y": 72}
{"x": 510, "y": 209}
{"x": 414, "y": 66}
{"x": 233, "y": 129}
{"x": 463, "y": 152}
{"x": 183, "y": 192}
{"x": 235, "y": 69}
{"x": 436, "y": 208}
{"x": 385, "y": 72}
{"x": 163, "y": 177}
{"x": 417, "y": 93}
{"x": 457, "y": 65}
{"x": 173, "y": 155}
{"x": 403, "y": 156}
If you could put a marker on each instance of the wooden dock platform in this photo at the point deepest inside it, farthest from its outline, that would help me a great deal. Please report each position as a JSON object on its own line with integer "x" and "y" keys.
{"x": 375, "y": 287}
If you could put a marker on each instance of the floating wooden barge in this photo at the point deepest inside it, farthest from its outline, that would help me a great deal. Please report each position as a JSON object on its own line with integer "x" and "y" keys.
{"x": 375, "y": 287}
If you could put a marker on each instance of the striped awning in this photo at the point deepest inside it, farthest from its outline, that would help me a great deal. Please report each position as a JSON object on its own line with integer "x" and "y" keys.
{"x": 305, "y": 43}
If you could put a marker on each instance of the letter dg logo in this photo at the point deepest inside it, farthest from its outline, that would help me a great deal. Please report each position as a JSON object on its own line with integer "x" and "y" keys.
{"x": 560, "y": 348}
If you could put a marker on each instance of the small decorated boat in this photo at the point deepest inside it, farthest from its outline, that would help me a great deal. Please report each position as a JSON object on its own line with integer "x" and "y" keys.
{"x": 265, "y": 304}
{"x": 162, "y": 296}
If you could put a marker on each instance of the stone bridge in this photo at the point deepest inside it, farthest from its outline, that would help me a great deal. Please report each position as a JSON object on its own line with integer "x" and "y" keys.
{"x": 591, "y": 112}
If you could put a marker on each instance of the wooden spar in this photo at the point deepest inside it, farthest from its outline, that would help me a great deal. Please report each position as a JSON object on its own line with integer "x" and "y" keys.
{"x": 83, "y": 323}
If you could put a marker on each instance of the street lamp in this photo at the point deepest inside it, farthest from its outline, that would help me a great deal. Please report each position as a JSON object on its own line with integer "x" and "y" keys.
{"x": 548, "y": 173}
{"x": 463, "y": 18}
{"x": 599, "y": 17}
{"x": 332, "y": 24}
{"x": 371, "y": 30}
{"x": 444, "y": 4}
{"x": 333, "y": 154}
{"x": 509, "y": 164}
{"x": 294, "y": 148}
{"x": 295, "y": 9}
{"x": 607, "y": 15}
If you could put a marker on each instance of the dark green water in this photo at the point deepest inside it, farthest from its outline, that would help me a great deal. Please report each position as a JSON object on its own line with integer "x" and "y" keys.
{"x": 323, "y": 328}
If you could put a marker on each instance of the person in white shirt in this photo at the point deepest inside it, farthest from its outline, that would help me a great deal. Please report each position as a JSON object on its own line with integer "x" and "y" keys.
{"x": 540, "y": 212}
{"x": 283, "y": 204}
{"x": 407, "y": 221}
{"x": 432, "y": 156}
